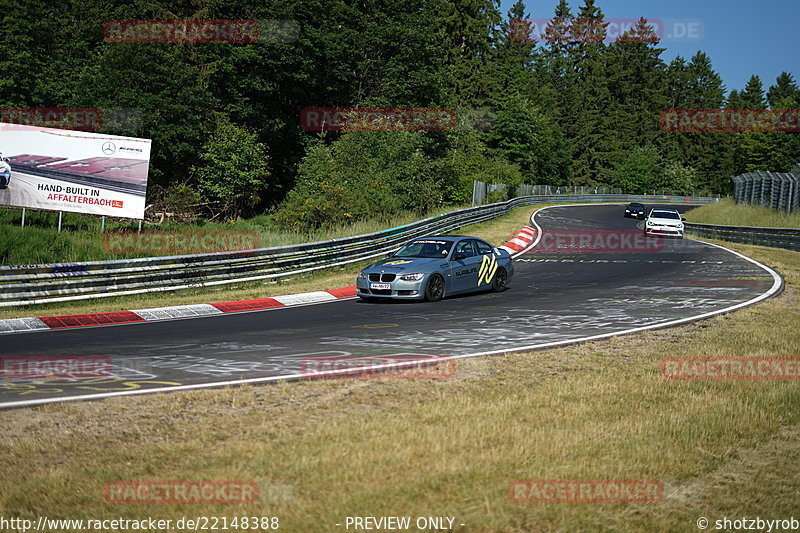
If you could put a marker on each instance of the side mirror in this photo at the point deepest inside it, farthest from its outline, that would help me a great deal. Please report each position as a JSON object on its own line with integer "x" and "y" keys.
{"x": 683, "y": 219}
{"x": 459, "y": 257}
{"x": 390, "y": 254}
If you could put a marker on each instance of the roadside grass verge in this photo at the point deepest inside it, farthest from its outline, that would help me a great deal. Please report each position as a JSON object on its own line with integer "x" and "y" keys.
{"x": 497, "y": 231}
{"x": 728, "y": 213}
{"x": 40, "y": 242}
{"x": 450, "y": 447}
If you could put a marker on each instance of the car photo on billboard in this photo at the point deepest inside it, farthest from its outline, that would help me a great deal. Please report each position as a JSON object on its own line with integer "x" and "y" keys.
{"x": 5, "y": 172}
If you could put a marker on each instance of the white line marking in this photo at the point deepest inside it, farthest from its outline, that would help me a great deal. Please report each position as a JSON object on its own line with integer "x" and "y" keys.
{"x": 306, "y": 298}
{"x": 177, "y": 311}
{"x": 776, "y": 286}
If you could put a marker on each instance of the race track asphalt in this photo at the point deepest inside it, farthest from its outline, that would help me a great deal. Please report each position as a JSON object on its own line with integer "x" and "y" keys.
{"x": 559, "y": 294}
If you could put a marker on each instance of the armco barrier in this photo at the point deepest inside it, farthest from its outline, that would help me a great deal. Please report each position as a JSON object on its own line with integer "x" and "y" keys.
{"x": 786, "y": 238}
{"x": 37, "y": 284}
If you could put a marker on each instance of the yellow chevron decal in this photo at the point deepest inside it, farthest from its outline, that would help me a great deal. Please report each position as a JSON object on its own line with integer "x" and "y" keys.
{"x": 488, "y": 269}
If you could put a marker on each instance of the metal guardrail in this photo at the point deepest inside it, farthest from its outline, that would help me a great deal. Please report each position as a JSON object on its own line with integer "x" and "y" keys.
{"x": 786, "y": 238}
{"x": 38, "y": 284}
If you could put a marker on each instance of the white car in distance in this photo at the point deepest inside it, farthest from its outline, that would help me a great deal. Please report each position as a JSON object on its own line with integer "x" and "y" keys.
{"x": 664, "y": 222}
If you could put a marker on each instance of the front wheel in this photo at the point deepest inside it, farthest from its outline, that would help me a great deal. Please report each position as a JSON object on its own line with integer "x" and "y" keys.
{"x": 434, "y": 290}
{"x": 500, "y": 281}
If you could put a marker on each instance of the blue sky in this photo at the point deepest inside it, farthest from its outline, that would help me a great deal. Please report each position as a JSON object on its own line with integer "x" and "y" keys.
{"x": 741, "y": 37}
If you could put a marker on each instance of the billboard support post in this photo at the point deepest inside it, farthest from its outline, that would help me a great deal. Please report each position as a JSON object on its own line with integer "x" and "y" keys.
{"x": 22, "y": 224}
{"x": 103, "y": 224}
{"x": 60, "y": 213}
{"x": 140, "y": 225}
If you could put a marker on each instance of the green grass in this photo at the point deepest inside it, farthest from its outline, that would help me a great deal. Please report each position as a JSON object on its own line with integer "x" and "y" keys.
{"x": 81, "y": 240}
{"x": 450, "y": 447}
{"x": 728, "y": 213}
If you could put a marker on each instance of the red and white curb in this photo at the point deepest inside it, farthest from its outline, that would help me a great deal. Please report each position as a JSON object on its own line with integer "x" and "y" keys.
{"x": 22, "y": 325}
{"x": 521, "y": 242}
{"x": 516, "y": 246}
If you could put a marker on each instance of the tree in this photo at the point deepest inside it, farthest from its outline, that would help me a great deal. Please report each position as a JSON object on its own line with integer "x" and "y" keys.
{"x": 471, "y": 29}
{"x": 639, "y": 172}
{"x": 637, "y": 82}
{"x": 676, "y": 178}
{"x": 706, "y": 152}
{"x": 530, "y": 139}
{"x": 752, "y": 97}
{"x": 592, "y": 157}
{"x": 706, "y": 89}
{"x": 784, "y": 94}
{"x": 784, "y": 146}
{"x": 234, "y": 171}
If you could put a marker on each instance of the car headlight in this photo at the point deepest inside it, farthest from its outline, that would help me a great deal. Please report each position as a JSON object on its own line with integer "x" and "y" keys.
{"x": 362, "y": 275}
{"x": 412, "y": 277}
{"x": 651, "y": 223}
{"x": 680, "y": 226}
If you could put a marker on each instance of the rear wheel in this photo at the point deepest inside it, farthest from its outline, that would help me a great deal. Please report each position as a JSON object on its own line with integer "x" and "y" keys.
{"x": 500, "y": 281}
{"x": 434, "y": 290}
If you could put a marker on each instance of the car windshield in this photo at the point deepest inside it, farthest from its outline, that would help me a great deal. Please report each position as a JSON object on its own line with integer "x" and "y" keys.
{"x": 427, "y": 248}
{"x": 637, "y": 206}
{"x": 666, "y": 214}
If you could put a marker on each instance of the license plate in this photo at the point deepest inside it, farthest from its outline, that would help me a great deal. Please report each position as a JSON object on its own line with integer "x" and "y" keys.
{"x": 381, "y": 286}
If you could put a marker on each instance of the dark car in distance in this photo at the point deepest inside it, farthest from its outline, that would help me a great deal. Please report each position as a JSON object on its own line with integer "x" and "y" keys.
{"x": 635, "y": 210}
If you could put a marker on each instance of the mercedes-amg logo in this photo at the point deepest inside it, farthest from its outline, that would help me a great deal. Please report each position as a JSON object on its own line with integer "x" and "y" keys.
{"x": 109, "y": 148}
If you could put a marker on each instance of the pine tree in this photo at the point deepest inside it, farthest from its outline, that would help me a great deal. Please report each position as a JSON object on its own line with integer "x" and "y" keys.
{"x": 784, "y": 146}
{"x": 677, "y": 83}
{"x": 784, "y": 94}
{"x": 707, "y": 152}
{"x": 514, "y": 56}
{"x": 706, "y": 89}
{"x": 472, "y": 28}
{"x": 752, "y": 97}
{"x": 592, "y": 148}
{"x": 637, "y": 82}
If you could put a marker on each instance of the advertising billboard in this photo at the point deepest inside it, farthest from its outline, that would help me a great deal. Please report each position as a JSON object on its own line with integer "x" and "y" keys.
{"x": 65, "y": 170}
